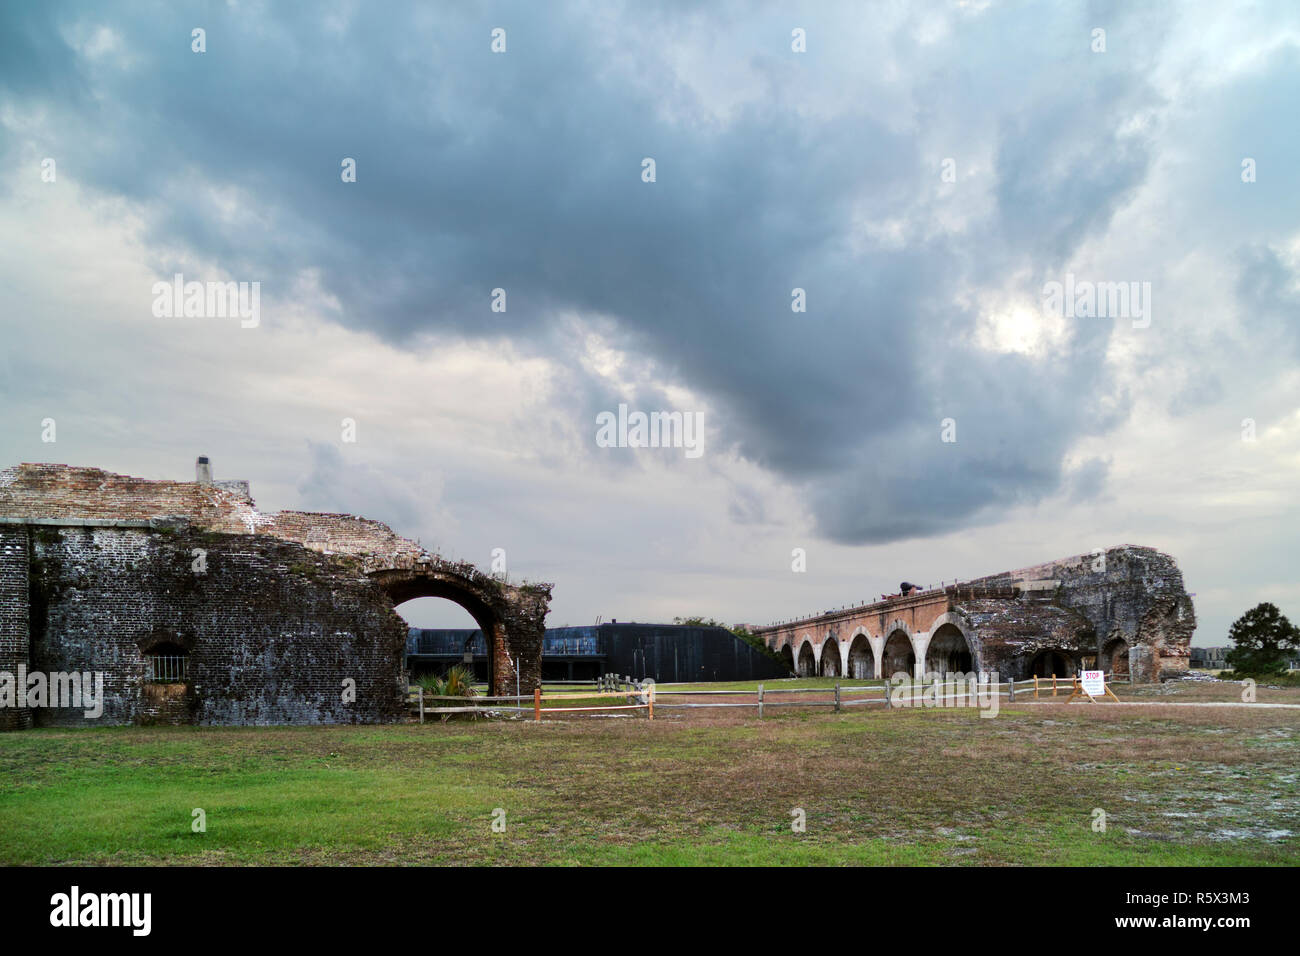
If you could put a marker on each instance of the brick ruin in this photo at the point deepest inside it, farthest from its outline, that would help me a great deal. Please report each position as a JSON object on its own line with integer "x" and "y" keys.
{"x": 269, "y": 617}
{"x": 1123, "y": 609}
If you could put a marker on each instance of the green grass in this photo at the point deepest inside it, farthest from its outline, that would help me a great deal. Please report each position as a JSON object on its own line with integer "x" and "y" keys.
{"x": 1180, "y": 786}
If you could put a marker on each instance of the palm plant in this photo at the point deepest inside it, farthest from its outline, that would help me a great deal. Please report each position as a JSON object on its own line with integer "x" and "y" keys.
{"x": 431, "y": 684}
{"x": 457, "y": 682}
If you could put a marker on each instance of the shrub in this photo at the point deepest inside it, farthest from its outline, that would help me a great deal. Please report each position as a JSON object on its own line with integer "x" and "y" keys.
{"x": 457, "y": 682}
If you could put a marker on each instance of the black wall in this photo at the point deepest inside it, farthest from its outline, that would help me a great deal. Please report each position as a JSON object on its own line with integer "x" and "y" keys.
{"x": 669, "y": 653}
{"x": 666, "y": 653}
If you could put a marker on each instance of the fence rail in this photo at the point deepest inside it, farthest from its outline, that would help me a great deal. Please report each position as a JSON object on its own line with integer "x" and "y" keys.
{"x": 644, "y": 692}
{"x": 650, "y": 696}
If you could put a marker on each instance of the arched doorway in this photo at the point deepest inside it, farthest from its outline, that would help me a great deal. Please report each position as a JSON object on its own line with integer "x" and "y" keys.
{"x": 167, "y": 690}
{"x": 511, "y": 617}
{"x": 1051, "y": 661}
{"x": 830, "y": 657}
{"x": 1114, "y": 657}
{"x": 862, "y": 660}
{"x": 948, "y": 652}
{"x": 899, "y": 655}
{"x": 441, "y": 635}
{"x": 449, "y": 634}
{"x": 807, "y": 660}
{"x": 787, "y": 656}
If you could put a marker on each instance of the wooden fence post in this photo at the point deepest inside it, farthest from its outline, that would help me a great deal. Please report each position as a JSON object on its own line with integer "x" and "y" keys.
{"x": 1011, "y": 693}
{"x": 760, "y": 701}
{"x": 537, "y": 704}
{"x": 1053, "y": 683}
{"x": 885, "y": 687}
{"x": 421, "y": 705}
{"x": 837, "y": 697}
{"x": 1035, "y": 687}
{"x": 652, "y": 701}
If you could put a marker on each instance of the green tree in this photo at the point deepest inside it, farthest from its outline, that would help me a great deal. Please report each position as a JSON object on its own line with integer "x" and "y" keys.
{"x": 1263, "y": 641}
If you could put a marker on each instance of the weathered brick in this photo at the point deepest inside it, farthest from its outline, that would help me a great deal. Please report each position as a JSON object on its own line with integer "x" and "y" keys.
{"x": 97, "y": 569}
{"x": 1086, "y": 608}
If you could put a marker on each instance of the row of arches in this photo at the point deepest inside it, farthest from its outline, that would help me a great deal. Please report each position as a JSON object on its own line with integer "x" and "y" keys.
{"x": 947, "y": 651}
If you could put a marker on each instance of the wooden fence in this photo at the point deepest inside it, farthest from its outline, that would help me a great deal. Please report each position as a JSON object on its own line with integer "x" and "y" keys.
{"x": 649, "y": 696}
{"x": 646, "y": 694}
{"x": 840, "y": 696}
{"x": 445, "y": 706}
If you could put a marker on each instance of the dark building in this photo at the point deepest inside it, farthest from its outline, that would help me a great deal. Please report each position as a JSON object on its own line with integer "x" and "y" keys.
{"x": 666, "y": 653}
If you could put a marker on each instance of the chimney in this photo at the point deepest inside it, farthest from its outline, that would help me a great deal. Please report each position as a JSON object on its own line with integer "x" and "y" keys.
{"x": 203, "y": 470}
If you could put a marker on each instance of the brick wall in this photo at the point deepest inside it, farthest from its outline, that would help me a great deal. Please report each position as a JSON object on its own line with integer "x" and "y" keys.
{"x": 64, "y": 491}
{"x": 1079, "y": 606}
{"x": 112, "y": 570}
{"x": 13, "y": 614}
{"x": 272, "y": 628}
{"x": 48, "y": 491}
{"x": 342, "y": 534}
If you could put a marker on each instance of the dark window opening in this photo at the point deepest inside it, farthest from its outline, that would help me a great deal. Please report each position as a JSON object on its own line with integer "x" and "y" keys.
{"x": 168, "y": 664}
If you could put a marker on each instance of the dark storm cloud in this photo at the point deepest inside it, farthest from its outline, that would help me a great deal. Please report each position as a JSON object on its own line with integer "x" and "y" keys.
{"x": 523, "y": 171}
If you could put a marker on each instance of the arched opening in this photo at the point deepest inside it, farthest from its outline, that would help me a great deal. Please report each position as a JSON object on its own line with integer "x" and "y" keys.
{"x": 787, "y": 655}
{"x": 862, "y": 660}
{"x": 807, "y": 660}
{"x": 167, "y": 691}
{"x": 948, "y": 652}
{"x": 444, "y": 631}
{"x": 511, "y": 617}
{"x": 1114, "y": 657}
{"x": 168, "y": 663}
{"x": 830, "y": 657}
{"x": 898, "y": 655}
{"x": 1051, "y": 662}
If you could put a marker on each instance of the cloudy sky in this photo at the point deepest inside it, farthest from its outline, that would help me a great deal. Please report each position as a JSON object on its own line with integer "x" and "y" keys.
{"x": 921, "y": 172}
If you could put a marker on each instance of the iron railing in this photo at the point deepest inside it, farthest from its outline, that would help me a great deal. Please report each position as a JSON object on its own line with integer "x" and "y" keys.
{"x": 168, "y": 668}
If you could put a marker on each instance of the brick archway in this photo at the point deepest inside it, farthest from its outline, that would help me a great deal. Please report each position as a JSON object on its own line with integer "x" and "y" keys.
{"x": 949, "y": 649}
{"x": 899, "y": 654}
{"x": 512, "y": 618}
{"x": 1114, "y": 657}
{"x": 862, "y": 656}
{"x": 829, "y": 665}
{"x": 806, "y": 662}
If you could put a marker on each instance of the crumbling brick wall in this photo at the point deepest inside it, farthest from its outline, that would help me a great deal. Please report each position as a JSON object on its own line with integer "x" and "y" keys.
{"x": 47, "y": 491}
{"x": 1127, "y": 592}
{"x": 14, "y": 649}
{"x": 1006, "y": 633}
{"x": 1076, "y": 607}
{"x": 272, "y": 629}
{"x": 290, "y": 604}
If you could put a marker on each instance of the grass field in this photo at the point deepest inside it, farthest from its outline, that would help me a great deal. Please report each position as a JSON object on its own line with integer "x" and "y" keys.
{"x": 1179, "y": 785}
